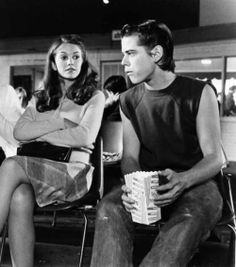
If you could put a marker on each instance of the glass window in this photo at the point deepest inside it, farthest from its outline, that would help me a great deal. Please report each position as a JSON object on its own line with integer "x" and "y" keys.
{"x": 230, "y": 87}
{"x": 110, "y": 68}
{"x": 206, "y": 69}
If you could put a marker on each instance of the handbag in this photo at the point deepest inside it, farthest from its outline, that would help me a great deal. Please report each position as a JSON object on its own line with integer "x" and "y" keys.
{"x": 45, "y": 150}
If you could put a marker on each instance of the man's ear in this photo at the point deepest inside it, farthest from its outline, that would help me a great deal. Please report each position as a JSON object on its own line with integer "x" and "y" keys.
{"x": 157, "y": 53}
{"x": 54, "y": 67}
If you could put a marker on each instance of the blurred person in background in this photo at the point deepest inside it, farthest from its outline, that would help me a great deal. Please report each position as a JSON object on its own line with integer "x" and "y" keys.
{"x": 113, "y": 87}
{"x": 23, "y": 97}
{"x": 10, "y": 112}
{"x": 230, "y": 106}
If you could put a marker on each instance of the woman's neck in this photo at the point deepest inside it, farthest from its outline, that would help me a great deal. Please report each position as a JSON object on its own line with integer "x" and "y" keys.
{"x": 65, "y": 84}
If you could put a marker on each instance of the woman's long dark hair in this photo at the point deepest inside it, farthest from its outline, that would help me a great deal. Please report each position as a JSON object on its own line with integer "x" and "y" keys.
{"x": 80, "y": 91}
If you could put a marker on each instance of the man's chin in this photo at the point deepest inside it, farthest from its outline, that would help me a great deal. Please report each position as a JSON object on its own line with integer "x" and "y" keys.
{"x": 135, "y": 81}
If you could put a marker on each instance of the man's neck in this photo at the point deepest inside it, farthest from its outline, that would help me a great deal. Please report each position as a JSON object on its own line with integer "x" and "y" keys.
{"x": 160, "y": 80}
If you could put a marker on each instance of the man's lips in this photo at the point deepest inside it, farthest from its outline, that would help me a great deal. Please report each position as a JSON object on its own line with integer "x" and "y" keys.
{"x": 128, "y": 73}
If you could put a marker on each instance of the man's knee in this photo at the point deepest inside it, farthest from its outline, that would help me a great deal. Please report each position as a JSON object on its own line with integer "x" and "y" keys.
{"x": 108, "y": 209}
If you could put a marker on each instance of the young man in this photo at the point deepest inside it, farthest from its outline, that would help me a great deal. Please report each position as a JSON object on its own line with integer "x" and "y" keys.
{"x": 171, "y": 123}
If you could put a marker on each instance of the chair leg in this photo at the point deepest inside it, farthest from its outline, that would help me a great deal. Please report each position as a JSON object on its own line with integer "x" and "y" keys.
{"x": 4, "y": 235}
{"x": 53, "y": 224}
{"x": 83, "y": 239}
{"x": 232, "y": 248}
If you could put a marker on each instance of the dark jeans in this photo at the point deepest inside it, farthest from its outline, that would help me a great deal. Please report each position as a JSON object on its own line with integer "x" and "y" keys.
{"x": 189, "y": 222}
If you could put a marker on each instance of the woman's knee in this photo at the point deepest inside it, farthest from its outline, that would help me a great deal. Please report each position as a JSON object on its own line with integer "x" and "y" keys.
{"x": 10, "y": 166}
{"x": 22, "y": 199}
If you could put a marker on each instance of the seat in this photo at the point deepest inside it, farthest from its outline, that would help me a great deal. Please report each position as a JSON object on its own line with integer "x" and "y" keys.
{"x": 228, "y": 216}
{"x": 111, "y": 132}
{"x": 83, "y": 205}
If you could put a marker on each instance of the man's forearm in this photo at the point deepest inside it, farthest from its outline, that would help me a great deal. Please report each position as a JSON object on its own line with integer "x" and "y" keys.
{"x": 205, "y": 169}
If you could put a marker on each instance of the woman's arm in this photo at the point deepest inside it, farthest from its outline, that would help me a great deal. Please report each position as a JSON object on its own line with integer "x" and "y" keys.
{"x": 33, "y": 124}
{"x": 86, "y": 132}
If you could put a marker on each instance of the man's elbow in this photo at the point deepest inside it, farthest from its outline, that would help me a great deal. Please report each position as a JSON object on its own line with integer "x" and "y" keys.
{"x": 220, "y": 161}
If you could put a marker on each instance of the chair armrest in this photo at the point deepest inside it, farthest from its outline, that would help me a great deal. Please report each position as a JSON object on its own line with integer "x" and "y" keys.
{"x": 230, "y": 170}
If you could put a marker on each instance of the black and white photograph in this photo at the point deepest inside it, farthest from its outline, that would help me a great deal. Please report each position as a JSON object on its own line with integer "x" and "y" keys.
{"x": 117, "y": 133}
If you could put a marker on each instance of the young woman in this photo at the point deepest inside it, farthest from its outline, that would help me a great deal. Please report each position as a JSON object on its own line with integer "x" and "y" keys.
{"x": 68, "y": 113}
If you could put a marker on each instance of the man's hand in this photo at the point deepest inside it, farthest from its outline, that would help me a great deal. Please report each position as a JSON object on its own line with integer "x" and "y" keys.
{"x": 127, "y": 201}
{"x": 171, "y": 190}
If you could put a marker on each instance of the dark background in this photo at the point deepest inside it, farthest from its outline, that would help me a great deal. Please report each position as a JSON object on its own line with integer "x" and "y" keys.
{"x": 19, "y": 18}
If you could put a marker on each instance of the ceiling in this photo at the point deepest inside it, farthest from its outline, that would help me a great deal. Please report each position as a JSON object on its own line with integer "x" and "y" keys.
{"x": 19, "y": 18}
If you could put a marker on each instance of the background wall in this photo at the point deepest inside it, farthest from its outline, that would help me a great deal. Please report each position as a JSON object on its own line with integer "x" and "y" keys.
{"x": 214, "y": 12}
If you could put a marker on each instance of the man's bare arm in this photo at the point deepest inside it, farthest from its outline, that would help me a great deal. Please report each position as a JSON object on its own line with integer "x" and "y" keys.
{"x": 130, "y": 158}
{"x": 208, "y": 131}
{"x": 131, "y": 147}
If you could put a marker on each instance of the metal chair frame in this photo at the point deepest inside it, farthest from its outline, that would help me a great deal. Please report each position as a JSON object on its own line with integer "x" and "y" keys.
{"x": 229, "y": 220}
{"x": 83, "y": 205}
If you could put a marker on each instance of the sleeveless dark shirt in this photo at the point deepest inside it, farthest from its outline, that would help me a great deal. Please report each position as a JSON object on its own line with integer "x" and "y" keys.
{"x": 165, "y": 123}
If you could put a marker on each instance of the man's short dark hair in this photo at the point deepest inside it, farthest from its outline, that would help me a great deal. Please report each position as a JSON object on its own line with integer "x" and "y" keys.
{"x": 150, "y": 34}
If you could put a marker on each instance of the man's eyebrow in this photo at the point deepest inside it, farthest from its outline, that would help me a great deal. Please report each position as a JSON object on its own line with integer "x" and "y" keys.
{"x": 129, "y": 50}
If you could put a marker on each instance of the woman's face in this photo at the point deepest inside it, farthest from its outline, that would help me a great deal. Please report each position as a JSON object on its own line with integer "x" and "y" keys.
{"x": 68, "y": 61}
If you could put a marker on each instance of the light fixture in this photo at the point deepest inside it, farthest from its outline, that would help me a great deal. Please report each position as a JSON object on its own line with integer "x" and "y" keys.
{"x": 206, "y": 61}
{"x": 105, "y": 2}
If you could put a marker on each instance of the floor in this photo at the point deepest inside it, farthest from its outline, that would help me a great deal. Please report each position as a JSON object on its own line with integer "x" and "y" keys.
{"x": 54, "y": 255}
{"x": 60, "y": 248}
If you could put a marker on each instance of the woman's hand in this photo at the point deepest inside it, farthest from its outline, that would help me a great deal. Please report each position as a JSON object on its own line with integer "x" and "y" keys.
{"x": 127, "y": 201}
{"x": 69, "y": 124}
{"x": 87, "y": 149}
{"x": 171, "y": 190}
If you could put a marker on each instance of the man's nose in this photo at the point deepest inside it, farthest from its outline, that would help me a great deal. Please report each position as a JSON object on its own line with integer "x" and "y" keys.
{"x": 124, "y": 61}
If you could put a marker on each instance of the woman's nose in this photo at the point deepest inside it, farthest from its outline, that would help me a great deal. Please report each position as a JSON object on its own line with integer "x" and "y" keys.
{"x": 70, "y": 60}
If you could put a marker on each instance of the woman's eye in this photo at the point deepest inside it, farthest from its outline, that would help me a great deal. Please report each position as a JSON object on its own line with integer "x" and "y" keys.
{"x": 64, "y": 57}
{"x": 76, "y": 57}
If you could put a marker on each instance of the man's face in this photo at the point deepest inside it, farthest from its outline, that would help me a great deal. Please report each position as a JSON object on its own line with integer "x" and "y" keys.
{"x": 138, "y": 64}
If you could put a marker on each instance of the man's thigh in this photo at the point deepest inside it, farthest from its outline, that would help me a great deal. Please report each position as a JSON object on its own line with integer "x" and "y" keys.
{"x": 189, "y": 221}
